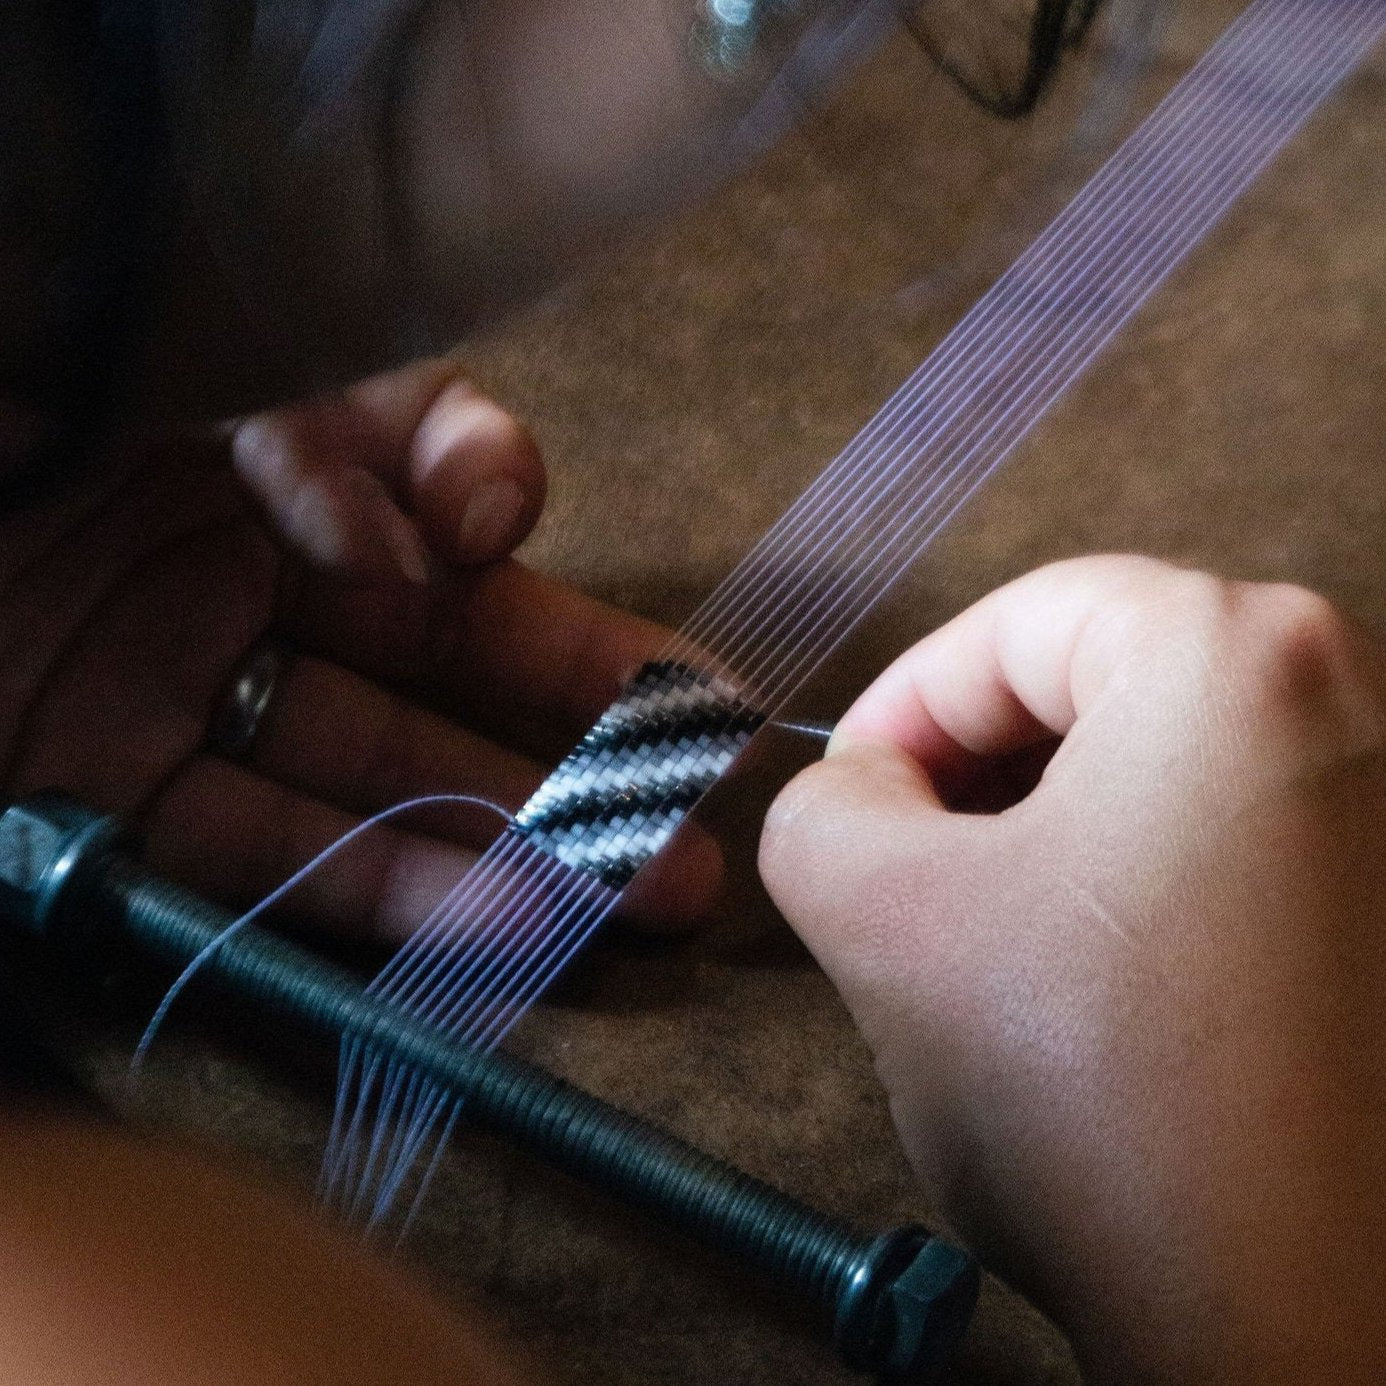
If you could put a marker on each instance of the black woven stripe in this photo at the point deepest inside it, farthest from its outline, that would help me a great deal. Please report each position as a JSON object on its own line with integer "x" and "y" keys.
{"x": 724, "y": 722}
{"x": 598, "y": 810}
{"x": 619, "y": 874}
{"x": 621, "y": 746}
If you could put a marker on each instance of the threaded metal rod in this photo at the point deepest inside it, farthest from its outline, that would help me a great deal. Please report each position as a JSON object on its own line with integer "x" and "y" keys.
{"x": 897, "y": 1303}
{"x": 805, "y": 1252}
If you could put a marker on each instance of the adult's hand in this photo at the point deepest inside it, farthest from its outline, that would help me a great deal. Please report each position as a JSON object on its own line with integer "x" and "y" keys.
{"x": 422, "y": 659}
{"x": 1130, "y": 1023}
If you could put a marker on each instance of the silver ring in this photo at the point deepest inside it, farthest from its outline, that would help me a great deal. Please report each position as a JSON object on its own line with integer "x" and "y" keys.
{"x": 249, "y": 691}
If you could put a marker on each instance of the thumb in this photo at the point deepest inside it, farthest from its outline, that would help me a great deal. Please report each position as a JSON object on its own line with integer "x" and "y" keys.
{"x": 377, "y": 477}
{"x": 861, "y": 856}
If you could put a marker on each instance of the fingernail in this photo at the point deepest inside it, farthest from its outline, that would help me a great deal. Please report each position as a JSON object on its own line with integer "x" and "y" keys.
{"x": 841, "y": 740}
{"x": 407, "y": 549}
{"x": 489, "y": 520}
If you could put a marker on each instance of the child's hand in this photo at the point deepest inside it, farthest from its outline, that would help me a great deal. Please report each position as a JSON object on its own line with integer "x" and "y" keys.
{"x": 1131, "y": 1024}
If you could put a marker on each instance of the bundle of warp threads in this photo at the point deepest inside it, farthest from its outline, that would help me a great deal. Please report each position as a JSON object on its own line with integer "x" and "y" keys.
{"x": 510, "y": 927}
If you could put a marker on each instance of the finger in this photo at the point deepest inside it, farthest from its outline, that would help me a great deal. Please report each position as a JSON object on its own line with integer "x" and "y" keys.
{"x": 862, "y": 853}
{"x": 363, "y": 479}
{"x": 864, "y": 860}
{"x": 521, "y": 655}
{"x": 230, "y": 833}
{"x": 306, "y": 465}
{"x": 342, "y": 740}
{"x": 678, "y": 887}
{"x": 1015, "y": 669}
{"x": 339, "y": 738}
{"x": 471, "y": 472}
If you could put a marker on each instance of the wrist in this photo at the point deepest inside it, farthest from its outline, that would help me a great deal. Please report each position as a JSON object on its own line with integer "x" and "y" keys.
{"x": 1290, "y": 1299}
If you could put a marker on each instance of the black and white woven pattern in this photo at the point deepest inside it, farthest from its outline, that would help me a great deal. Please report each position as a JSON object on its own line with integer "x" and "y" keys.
{"x": 619, "y": 796}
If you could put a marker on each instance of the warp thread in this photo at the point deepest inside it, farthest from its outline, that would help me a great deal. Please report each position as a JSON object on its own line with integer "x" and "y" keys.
{"x": 515, "y": 922}
{"x": 497, "y": 941}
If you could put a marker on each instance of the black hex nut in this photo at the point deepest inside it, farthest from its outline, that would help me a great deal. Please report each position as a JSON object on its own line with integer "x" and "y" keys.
{"x": 42, "y": 841}
{"x": 908, "y": 1306}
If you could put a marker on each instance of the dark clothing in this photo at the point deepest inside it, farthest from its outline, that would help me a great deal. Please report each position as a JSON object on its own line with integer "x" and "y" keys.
{"x": 86, "y": 166}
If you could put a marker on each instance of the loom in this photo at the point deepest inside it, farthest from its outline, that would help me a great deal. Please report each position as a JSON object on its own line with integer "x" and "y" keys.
{"x": 464, "y": 982}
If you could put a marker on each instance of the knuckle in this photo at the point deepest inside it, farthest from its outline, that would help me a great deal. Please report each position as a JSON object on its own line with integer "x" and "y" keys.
{"x": 1297, "y": 624}
{"x": 1132, "y": 573}
{"x": 1273, "y": 661}
{"x": 1156, "y": 612}
{"x": 1309, "y": 669}
{"x": 1188, "y": 600}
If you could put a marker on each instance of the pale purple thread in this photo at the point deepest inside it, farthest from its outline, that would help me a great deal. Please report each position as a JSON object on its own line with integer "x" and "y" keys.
{"x": 752, "y": 677}
{"x": 570, "y": 909}
{"x": 275, "y": 896}
{"x": 785, "y": 569}
{"x": 720, "y": 652}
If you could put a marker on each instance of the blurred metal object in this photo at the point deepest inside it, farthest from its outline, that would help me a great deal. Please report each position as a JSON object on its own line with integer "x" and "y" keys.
{"x": 727, "y": 32}
{"x": 1002, "y": 53}
{"x": 732, "y": 37}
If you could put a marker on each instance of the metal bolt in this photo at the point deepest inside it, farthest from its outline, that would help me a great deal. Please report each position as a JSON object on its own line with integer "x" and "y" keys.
{"x": 897, "y": 1304}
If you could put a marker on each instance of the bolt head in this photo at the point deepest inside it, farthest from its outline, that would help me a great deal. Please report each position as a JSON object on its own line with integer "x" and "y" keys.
{"x": 929, "y": 1306}
{"x": 906, "y": 1306}
{"x": 29, "y": 842}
